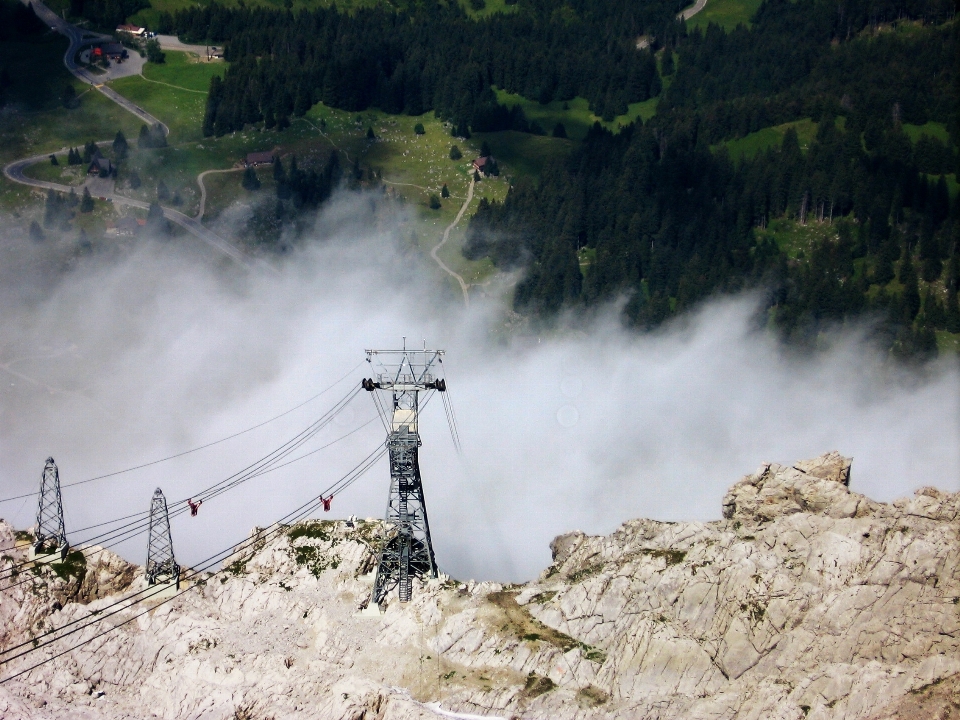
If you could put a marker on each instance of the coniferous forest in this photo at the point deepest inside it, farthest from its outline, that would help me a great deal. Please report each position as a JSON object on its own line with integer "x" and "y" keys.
{"x": 660, "y": 212}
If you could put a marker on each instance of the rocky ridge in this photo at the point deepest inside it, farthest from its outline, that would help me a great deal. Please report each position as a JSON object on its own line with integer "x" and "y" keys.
{"x": 806, "y": 600}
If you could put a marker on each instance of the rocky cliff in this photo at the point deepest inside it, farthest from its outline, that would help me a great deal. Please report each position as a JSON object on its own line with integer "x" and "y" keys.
{"x": 806, "y": 601}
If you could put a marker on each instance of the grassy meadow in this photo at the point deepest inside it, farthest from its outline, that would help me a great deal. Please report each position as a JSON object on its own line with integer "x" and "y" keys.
{"x": 756, "y": 142}
{"x": 932, "y": 129}
{"x": 725, "y": 13}
{"x": 185, "y": 71}
{"x": 175, "y": 92}
{"x": 575, "y": 114}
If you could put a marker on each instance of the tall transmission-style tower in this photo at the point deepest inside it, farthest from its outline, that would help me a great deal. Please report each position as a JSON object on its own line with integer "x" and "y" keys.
{"x": 161, "y": 567}
{"x": 50, "y": 529}
{"x": 407, "y": 550}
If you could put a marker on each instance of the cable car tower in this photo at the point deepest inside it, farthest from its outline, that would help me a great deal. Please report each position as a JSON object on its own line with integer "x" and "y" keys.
{"x": 50, "y": 534}
{"x": 407, "y": 550}
{"x": 161, "y": 567}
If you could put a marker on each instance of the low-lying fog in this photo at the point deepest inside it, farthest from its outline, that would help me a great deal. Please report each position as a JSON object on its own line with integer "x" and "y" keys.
{"x": 124, "y": 361}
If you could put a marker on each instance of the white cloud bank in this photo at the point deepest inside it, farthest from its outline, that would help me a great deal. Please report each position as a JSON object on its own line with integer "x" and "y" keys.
{"x": 126, "y": 361}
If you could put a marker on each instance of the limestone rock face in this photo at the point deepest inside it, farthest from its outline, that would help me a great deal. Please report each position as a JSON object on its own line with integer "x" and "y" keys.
{"x": 806, "y": 601}
{"x": 818, "y": 485}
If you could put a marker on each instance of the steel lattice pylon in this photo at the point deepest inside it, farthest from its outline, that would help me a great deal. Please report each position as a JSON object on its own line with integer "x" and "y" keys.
{"x": 161, "y": 565}
{"x": 407, "y": 550}
{"x": 50, "y": 528}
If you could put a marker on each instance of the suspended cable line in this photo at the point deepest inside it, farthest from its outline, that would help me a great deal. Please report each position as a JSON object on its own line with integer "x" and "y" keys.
{"x": 262, "y": 466}
{"x": 198, "y": 448}
{"x": 281, "y": 525}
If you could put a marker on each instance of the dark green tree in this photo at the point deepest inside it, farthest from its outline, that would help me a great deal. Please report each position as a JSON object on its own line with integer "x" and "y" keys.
{"x": 53, "y": 160}
{"x": 455, "y": 153}
{"x": 154, "y": 53}
{"x": 86, "y": 203}
{"x": 68, "y": 97}
{"x": 418, "y": 129}
{"x": 156, "y": 222}
{"x": 911, "y": 289}
{"x": 434, "y": 202}
{"x": 559, "y": 131}
{"x": 666, "y": 62}
{"x": 444, "y": 191}
{"x": 36, "y": 232}
{"x": 120, "y": 146}
{"x": 250, "y": 180}
{"x": 214, "y": 98}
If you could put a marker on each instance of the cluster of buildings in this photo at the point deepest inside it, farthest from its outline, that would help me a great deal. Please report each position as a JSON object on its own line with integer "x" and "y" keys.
{"x": 257, "y": 159}
{"x": 134, "y": 31}
{"x": 125, "y": 227}
{"x": 112, "y": 51}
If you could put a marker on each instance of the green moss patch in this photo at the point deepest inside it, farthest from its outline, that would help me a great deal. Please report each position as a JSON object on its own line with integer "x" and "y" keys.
{"x": 673, "y": 557}
{"x": 317, "y": 529}
{"x": 537, "y": 685}
{"x": 527, "y": 628}
{"x": 593, "y": 696}
{"x": 74, "y": 565}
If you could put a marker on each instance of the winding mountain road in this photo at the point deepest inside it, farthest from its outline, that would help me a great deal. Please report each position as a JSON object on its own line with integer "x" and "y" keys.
{"x": 203, "y": 189}
{"x": 15, "y": 171}
{"x": 446, "y": 236}
{"x": 690, "y": 12}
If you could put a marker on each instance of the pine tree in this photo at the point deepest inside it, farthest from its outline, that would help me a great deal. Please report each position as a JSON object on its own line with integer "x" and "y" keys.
{"x": 444, "y": 191}
{"x": 952, "y": 322}
{"x": 51, "y": 209}
{"x": 120, "y": 146}
{"x": 250, "y": 180}
{"x": 156, "y": 222}
{"x": 666, "y": 62}
{"x": 911, "y": 289}
{"x": 214, "y": 97}
{"x": 455, "y": 153}
{"x": 53, "y": 160}
{"x": 86, "y": 204}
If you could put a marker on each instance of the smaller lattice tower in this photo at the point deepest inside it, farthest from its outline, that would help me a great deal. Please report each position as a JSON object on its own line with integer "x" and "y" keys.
{"x": 161, "y": 567}
{"x": 50, "y": 533}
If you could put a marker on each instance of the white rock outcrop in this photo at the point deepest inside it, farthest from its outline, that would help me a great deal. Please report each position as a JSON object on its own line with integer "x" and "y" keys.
{"x": 806, "y": 601}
